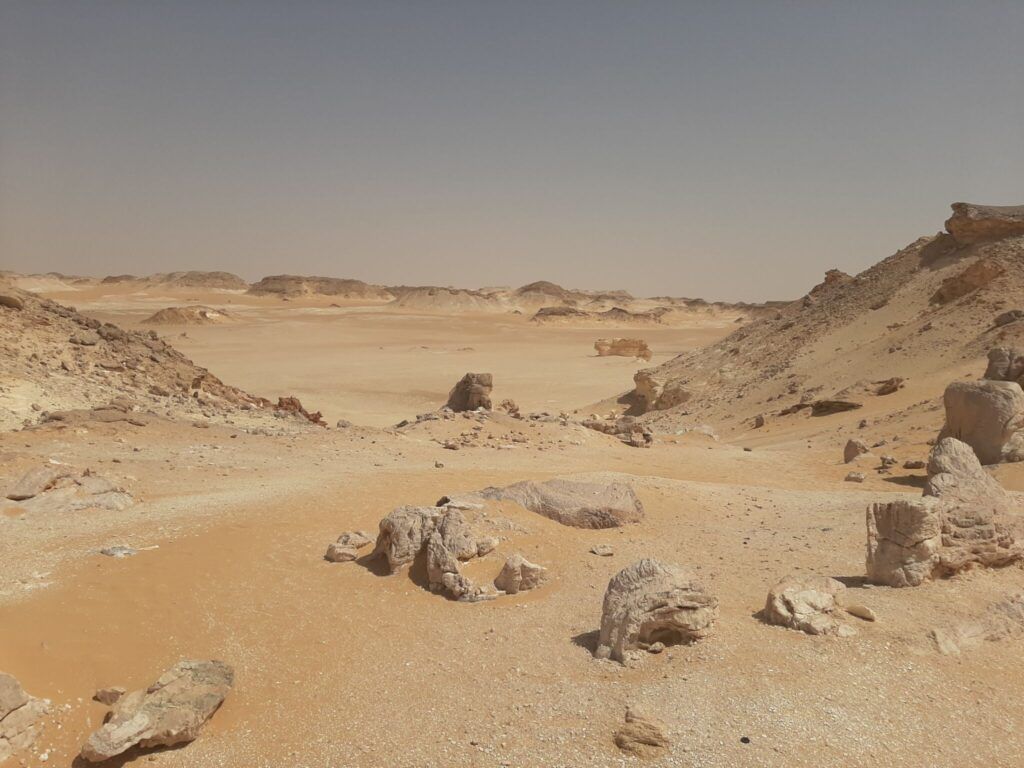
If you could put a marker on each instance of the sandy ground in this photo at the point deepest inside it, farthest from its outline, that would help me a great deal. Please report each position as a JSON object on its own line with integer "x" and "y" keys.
{"x": 338, "y": 665}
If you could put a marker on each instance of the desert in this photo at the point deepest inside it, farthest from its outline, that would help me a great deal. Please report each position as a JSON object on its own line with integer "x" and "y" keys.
{"x": 511, "y": 385}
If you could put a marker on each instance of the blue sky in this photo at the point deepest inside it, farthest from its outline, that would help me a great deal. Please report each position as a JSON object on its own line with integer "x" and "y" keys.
{"x": 729, "y": 150}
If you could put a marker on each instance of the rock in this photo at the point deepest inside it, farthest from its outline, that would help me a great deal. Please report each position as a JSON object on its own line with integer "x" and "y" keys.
{"x": 854, "y": 448}
{"x": 806, "y": 603}
{"x": 854, "y": 477}
{"x": 988, "y": 416}
{"x": 109, "y": 696}
{"x": 1001, "y": 620}
{"x": 977, "y": 275}
{"x": 649, "y": 602}
{"x": 573, "y": 503}
{"x": 904, "y": 538}
{"x": 347, "y": 547}
{"x": 642, "y": 735}
{"x": 889, "y": 386}
{"x": 860, "y": 611}
{"x": 11, "y": 301}
{"x": 955, "y": 474}
{"x": 623, "y": 348}
{"x": 914, "y": 464}
{"x": 344, "y": 424}
{"x": 171, "y": 711}
{"x": 829, "y": 407}
{"x": 519, "y": 574}
{"x": 1006, "y": 318}
{"x": 119, "y": 551}
{"x": 473, "y": 391}
{"x": 38, "y": 480}
{"x": 759, "y": 421}
{"x": 972, "y": 223}
{"x": 1004, "y": 364}
{"x": 85, "y": 339}
{"x": 657, "y": 392}
{"x": 404, "y": 533}
{"x": 20, "y": 716}
{"x": 602, "y": 550}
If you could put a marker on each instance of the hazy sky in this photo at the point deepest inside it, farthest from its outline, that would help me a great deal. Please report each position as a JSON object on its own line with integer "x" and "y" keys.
{"x": 721, "y": 149}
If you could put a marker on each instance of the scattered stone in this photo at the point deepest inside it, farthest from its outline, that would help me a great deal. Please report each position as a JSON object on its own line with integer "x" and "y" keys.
{"x": 119, "y": 551}
{"x": 649, "y": 602}
{"x": 914, "y": 464}
{"x": 344, "y": 424}
{"x": 171, "y": 711}
{"x": 20, "y": 716}
{"x": 807, "y": 603}
{"x": 519, "y": 574}
{"x": 829, "y": 407}
{"x": 109, "y": 696}
{"x": 854, "y": 449}
{"x": 602, "y": 550}
{"x": 759, "y": 421}
{"x": 854, "y": 477}
{"x": 573, "y": 503}
{"x": 988, "y": 416}
{"x": 642, "y": 736}
{"x": 889, "y": 386}
{"x": 473, "y": 391}
{"x": 347, "y": 547}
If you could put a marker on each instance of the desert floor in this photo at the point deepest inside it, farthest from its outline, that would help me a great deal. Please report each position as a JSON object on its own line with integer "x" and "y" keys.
{"x": 339, "y": 665}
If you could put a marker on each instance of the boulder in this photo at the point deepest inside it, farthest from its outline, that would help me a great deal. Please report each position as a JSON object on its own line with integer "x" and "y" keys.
{"x": 972, "y": 223}
{"x": 642, "y": 735}
{"x": 658, "y": 392}
{"x": 10, "y": 301}
{"x": 171, "y": 711}
{"x": 623, "y": 348}
{"x": 807, "y": 603}
{"x": 650, "y": 602}
{"x": 20, "y": 716}
{"x": 904, "y": 538}
{"x": 347, "y": 547}
{"x": 988, "y": 416}
{"x": 573, "y": 503}
{"x": 519, "y": 574}
{"x": 404, "y": 533}
{"x": 38, "y": 480}
{"x": 1004, "y": 364}
{"x": 473, "y": 391}
{"x": 854, "y": 449}
{"x": 955, "y": 474}
{"x": 1005, "y": 318}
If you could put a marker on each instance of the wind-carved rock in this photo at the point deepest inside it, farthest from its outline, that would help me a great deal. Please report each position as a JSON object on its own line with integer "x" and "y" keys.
{"x": 972, "y": 223}
{"x": 473, "y": 391}
{"x": 519, "y": 575}
{"x": 171, "y": 711}
{"x": 810, "y": 604}
{"x": 651, "y": 602}
{"x": 1005, "y": 364}
{"x": 622, "y": 348}
{"x": 20, "y": 716}
{"x": 988, "y": 416}
{"x": 963, "y": 520}
{"x": 573, "y": 503}
{"x": 657, "y": 392}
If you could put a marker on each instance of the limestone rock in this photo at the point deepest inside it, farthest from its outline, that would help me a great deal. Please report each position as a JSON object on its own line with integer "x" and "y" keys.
{"x": 854, "y": 477}
{"x": 854, "y": 448}
{"x": 988, "y": 416}
{"x": 649, "y": 602}
{"x": 519, "y": 574}
{"x": 171, "y": 711}
{"x": 347, "y": 547}
{"x": 11, "y": 301}
{"x": 404, "y": 533}
{"x": 657, "y": 392}
{"x": 642, "y": 735}
{"x": 623, "y": 348}
{"x": 806, "y": 603}
{"x": 1004, "y": 364}
{"x": 977, "y": 275}
{"x": 473, "y": 391}
{"x": 972, "y": 223}
{"x": 573, "y": 503}
{"x": 904, "y": 538}
{"x": 109, "y": 696}
{"x": 38, "y": 480}
{"x": 955, "y": 474}
{"x": 20, "y": 716}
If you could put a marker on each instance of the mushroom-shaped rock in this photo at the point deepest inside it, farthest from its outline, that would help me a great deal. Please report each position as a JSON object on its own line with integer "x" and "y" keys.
{"x": 650, "y": 602}
{"x": 806, "y": 603}
{"x": 988, "y": 416}
{"x": 519, "y": 574}
{"x": 573, "y": 503}
{"x": 171, "y": 711}
{"x": 473, "y": 391}
{"x": 347, "y": 547}
{"x": 642, "y": 735}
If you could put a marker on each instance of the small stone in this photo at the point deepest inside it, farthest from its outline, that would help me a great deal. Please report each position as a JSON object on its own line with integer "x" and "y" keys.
{"x": 602, "y": 550}
{"x": 854, "y": 477}
{"x": 109, "y": 696}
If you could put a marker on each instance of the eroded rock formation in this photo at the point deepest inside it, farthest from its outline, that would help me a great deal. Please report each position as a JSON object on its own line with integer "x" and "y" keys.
{"x": 623, "y": 348}
{"x": 20, "y": 716}
{"x": 807, "y": 603}
{"x": 988, "y": 416}
{"x": 573, "y": 503}
{"x": 473, "y": 391}
{"x": 972, "y": 223}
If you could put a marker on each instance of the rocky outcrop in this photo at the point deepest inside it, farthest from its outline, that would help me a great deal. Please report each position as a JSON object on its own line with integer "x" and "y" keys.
{"x": 988, "y": 416}
{"x": 59, "y": 487}
{"x": 519, "y": 574}
{"x": 658, "y": 392}
{"x": 346, "y": 548}
{"x": 651, "y": 602}
{"x": 172, "y": 711}
{"x": 573, "y": 503}
{"x": 472, "y": 391}
{"x": 20, "y": 716}
{"x": 623, "y": 348}
{"x": 855, "y": 448}
{"x": 972, "y": 223}
{"x": 977, "y": 275}
{"x": 628, "y": 429}
{"x": 642, "y": 735}
{"x": 194, "y": 315}
{"x": 289, "y": 286}
{"x": 963, "y": 520}
{"x": 807, "y": 603}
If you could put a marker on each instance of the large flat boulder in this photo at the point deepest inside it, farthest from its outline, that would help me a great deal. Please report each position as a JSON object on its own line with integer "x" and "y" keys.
{"x": 171, "y": 711}
{"x": 573, "y": 503}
